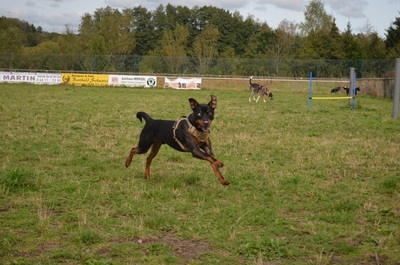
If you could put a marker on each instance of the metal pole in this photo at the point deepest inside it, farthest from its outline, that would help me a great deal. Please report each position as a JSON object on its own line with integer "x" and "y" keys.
{"x": 355, "y": 92}
{"x": 351, "y": 88}
{"x": 310, "y": 93}
{"x": 396, "y": 95}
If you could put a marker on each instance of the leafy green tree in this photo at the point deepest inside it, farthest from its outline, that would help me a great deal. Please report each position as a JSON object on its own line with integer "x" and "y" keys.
{"x": 316, "y": 19}
{"x": 264, "y": 38}
{"x": 225, "y": 65}
{"x": 205, "y": 48}
{"x": 252, "y": 35}
{"x": 322, "y": 36}
{"x": 160, "y": 19}
{"x": 108, "y": 31}
{"x": 251, "y": 48}
{"x": 280, "y": 45}
{"x": 173, "y": 48}
{"x": 71, "y": 49}
{"x": 211, "y": 16}
{"x": 69, "y": 42}
{"x": 41, "y": 56}
{"x": 284, "y": 38}
{"x": 241, "y": 33}
{"x": 11, "y": 40}
{"x": 11, "y": 45}
{"x": 182, "y": 15}
{"x": 372, "y": 45}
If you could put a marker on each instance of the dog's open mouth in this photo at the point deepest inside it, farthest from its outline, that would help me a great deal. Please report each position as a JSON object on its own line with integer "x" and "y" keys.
{"x": 206, "y": 126}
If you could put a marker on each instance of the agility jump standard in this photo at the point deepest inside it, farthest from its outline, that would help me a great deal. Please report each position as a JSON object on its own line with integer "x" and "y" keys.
{"x": 351, "y": 97}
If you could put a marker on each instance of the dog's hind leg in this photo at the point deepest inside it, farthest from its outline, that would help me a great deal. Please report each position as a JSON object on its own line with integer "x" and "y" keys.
{"x": 145, "y": 142}
{"x": 133, "y": 152}
{"x": 257, "y": 98}
{"x": 154, "y": 151}
{"x": 140, "y": 149}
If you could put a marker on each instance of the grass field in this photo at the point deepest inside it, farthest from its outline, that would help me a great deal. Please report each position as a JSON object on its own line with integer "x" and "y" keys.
{"x": 319, "y": 186}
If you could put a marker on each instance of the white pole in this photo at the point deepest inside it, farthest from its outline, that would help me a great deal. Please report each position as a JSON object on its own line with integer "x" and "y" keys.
{"x": 396, "y": 95}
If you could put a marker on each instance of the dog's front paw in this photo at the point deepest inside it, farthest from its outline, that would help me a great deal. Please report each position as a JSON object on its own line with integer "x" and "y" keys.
{"x": 224, "y": 182}
{"x": 218, "y": 163}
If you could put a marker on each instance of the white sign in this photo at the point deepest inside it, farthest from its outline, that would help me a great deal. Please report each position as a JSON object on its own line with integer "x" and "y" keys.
{"x": 32, "y": 78}
{"x": 183, "y": 83}
{"x": 132, "y": 80}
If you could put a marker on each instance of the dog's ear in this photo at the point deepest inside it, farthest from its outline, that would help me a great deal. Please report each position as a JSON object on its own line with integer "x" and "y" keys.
{"x": 213, "y": 102}
{"x": 193, "y": 103}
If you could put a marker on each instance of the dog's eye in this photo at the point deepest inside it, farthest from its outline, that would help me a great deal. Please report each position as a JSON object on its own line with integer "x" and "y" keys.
{"x": 199, "y": 114}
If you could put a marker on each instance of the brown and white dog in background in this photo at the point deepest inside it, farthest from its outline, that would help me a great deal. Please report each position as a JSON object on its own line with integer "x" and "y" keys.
{"x": 255, "y": 88}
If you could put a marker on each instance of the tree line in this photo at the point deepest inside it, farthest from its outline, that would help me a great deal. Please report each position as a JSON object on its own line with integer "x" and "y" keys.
{"x": 191, "y": 39}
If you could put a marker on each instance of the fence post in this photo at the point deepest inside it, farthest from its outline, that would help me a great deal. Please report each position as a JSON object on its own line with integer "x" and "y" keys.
{"x": 354, "y": 92}
{"x": 396, "y": 95}
{"x": 310, "y": 93}
{"x": 352, "y": 87}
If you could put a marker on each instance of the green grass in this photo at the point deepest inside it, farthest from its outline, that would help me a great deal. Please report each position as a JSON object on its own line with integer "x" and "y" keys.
{"x": 319, "y": 186}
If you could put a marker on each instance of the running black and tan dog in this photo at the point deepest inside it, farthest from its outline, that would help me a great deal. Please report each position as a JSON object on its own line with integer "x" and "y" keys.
{"x": 259, "y": 90}
{"x": 337, "y": 89}
{"x": 187, "y": 134}
{"x": 348, "y": 90}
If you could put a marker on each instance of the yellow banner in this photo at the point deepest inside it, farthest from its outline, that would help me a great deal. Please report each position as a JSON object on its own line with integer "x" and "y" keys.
{"x": 85, "y": 79}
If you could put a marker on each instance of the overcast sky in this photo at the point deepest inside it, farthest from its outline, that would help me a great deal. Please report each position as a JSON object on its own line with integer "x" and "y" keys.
{"x": 53, "y": 15}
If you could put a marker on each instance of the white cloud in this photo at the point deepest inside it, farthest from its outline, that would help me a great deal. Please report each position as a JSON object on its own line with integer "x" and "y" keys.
{"x": 348, "y": 8}
{"x": 295, "y": 5}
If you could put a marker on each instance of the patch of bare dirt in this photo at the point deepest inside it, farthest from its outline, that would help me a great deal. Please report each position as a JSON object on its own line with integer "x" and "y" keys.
{"x": 187, "y": 249}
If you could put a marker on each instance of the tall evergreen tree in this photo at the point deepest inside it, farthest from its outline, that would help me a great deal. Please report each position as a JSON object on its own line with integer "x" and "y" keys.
{"x": 334, "y": 43}
{"x": 143, "y": 26}
{"x": 393, "y": 39}
{"x": 351, "y": 46}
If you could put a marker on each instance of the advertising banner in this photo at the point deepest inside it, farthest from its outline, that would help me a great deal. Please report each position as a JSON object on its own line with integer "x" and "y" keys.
{"x": 31, "y": 78}
{"x": 183, "y": 83}
{"x": 85, "y": 79}
{"x": 132, "y": 81}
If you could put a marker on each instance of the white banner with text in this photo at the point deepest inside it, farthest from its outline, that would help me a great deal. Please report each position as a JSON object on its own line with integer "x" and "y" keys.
{"x": 132, "y": 80}
{"x": 31, "y": 78}
{"x": 183, "y": 83}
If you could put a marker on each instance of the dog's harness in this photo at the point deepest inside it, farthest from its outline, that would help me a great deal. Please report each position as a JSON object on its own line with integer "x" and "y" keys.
{"x": 200, "y": 136}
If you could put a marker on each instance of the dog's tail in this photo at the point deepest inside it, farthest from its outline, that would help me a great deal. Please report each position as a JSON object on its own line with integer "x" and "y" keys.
{"x": 251, "y": 77}
{"x": 143, "y": 115}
